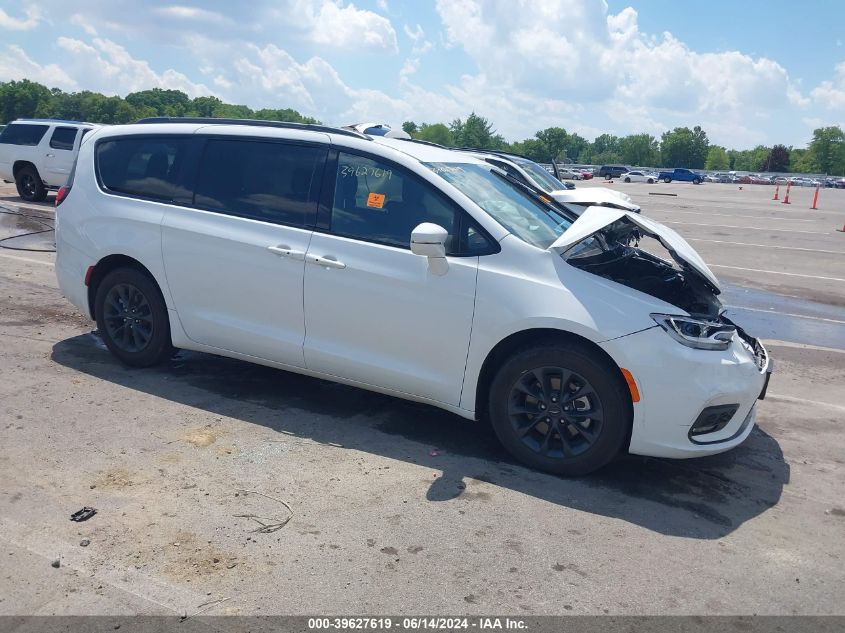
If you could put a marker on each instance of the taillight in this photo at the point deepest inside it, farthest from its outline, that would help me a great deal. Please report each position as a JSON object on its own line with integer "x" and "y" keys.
{"x": 62, "y": 194}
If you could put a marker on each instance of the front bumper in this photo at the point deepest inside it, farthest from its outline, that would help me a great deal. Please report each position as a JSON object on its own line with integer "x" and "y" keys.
{"x": 676, "y": 383}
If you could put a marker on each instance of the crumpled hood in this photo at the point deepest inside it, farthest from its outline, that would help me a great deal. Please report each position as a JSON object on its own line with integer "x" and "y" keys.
{"x": 596, "y": 218}
{"x": 601, "y": 196}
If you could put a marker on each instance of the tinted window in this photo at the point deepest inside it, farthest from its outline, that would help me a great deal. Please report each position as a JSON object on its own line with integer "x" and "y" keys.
{"x": 382, "y": 203}
{"x": 260, "y": 180}
{"x": 146, "y": 167}
{"x": 63, "y": 138}
{"x": 23, "y": 134}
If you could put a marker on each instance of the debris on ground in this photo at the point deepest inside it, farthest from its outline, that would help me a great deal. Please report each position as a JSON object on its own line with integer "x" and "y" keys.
{"x": 83, "y": 515}
{"x": 84, "y": 542}
{"x": 272, "y": 524}
{"x": 56, "y": 563}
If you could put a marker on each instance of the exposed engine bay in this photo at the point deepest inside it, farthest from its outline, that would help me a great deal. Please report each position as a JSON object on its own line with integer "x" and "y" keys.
{"x": 641, "y": 270}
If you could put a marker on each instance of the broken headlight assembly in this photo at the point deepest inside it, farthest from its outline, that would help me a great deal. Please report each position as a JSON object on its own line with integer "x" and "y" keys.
{"x": 696, "y": 333}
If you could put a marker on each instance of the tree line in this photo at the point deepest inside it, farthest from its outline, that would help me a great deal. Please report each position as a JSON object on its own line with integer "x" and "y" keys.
{"x": 680, "y": 147}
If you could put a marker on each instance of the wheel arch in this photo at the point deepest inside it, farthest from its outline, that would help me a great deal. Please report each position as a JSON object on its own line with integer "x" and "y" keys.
{"x": 20, "y": 164}
{"x": 523, "y": 338}
{"x": 108, "y": 264}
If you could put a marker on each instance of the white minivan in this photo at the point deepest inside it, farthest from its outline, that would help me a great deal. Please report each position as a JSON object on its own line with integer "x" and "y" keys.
{"x": 412, "y": 270}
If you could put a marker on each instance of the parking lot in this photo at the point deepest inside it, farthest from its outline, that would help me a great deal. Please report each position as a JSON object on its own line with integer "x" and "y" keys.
{"x": 378, "y": 506}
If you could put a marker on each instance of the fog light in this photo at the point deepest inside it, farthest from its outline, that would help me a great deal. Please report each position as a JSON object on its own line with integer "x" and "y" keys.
{"x": 713, "y": 419}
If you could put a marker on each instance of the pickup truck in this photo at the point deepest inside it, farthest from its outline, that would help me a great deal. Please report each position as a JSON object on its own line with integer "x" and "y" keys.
{"x": 38, "y": 154}
{"x": 682, "y": 175}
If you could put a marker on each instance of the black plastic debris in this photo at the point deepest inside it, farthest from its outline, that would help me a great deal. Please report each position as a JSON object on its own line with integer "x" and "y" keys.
{"x": 83, "y": 515}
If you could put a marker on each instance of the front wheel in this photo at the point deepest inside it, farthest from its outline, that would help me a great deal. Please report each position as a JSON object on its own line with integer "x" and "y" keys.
{"x": 696, "y": 181}
{"x": 667, "y": 180}
{"x": 132, "y": 318}
{"x": 651, "y": 181}
{"x": 29, "y": 184}
{"x": 561, "y": 408}
{"x": 627, "y": 179}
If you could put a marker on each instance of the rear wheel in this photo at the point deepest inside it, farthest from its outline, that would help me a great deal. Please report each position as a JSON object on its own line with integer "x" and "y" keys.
{"x": 132, "y": 318}
{"x": 627, "y": 179}
{"x": 29, "y": 184}
{"x": 561, "y": 408}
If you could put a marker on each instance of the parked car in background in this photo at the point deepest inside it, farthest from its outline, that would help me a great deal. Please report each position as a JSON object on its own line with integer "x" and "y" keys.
{"x": 839, "y": 184}
{"x": 535, "y": 176}
{"x": 567, "y": 173}
{"x": 712, "y": 178}
{"x": 682, "y": 175}
{"x": 37, "y": 154}
{"x": 587, "y": 174}
{"x": 611, "y": 171}
{"x": 411, "y": 270}
{"x": 639, "y": 176}
{"x": 781, "y": 180}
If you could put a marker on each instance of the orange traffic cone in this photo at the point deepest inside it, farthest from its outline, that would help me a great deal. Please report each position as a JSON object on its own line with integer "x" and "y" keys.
{"x": 815, "y": 198}
{"x": 777, "y": 190}
{"x": 786, "y": 195}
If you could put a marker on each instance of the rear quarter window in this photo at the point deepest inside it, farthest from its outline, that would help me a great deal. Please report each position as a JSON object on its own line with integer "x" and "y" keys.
{"x": 144, "y": 167}
{"x": 23, "y": 134}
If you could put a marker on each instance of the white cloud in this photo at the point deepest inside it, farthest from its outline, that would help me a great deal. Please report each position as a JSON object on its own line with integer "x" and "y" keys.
{"x": 81, "y": 21}
{"x": 574, "y": 52}
{"x": 109, "y": 68}
{"x": 15, "y": 64}
{"x": 831, "y": 94}
{"x": 181, "y": 12}
{"x": 338, "y": 25}
{"x": 32, "y": 19}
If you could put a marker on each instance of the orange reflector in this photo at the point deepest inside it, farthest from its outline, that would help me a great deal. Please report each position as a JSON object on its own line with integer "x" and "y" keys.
{"x": 632, "y": 385}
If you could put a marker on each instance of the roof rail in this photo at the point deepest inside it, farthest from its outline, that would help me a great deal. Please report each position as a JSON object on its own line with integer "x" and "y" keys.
{"x": 494, "y": 152}
{"x": 29, "y": 120}
{"x": 310, "y": 127}
{"x": 422, "y": 142}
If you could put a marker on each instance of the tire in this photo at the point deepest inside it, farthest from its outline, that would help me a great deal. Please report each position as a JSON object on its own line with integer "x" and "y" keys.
{"x": 568, "y": 451}
{"x": 29, "y": 184}
{"x": 696, "y": 181}
{"x": 667, "y": 180}
{"x": 651, "y": 181}
{"x": 608, "y": 177}
{"x": 627, "y": 179}
{"x": 127, "y": 294}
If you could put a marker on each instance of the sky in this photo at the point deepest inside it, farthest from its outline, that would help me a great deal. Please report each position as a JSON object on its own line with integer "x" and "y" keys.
{"x": 748, "y": 72}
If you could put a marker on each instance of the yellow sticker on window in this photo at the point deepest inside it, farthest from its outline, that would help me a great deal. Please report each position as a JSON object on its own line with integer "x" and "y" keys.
{"x": 375, "y": 200}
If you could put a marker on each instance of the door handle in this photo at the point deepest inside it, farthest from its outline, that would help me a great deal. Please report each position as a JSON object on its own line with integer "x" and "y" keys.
{"x": 50, "y": 155}
{"x": 329, "y": 261}
{"x": 283, "y": 250}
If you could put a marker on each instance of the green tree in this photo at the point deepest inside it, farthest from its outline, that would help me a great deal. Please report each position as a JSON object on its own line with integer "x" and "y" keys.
{"x": 827, "y": 150}
{"x": 476, "y": 131}
{"x": 435, "y": 133}
{"x": 19, "y": 99}
{"x": 639, "y": 149}
{"x": 717, "y": 158}
{"x": 164, "y": 102}
{"x": 410, "y": 127}
{"x": 777, "y": 160}
{"x": 551, "y": 145}
{"x": 684, "y": 147}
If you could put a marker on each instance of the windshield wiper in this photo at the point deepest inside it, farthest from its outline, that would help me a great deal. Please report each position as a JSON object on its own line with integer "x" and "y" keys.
{"x": 536, "y": 194}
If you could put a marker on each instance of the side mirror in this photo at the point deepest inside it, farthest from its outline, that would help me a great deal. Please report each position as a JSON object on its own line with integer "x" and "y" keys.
{"x": 429, "y": 240}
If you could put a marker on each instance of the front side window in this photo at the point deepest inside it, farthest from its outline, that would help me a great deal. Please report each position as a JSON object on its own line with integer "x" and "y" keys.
{"x": 513, "y": 208}
{"x": 540, "y": 177}
{"x": 142, "y": 166}
{"x": 63, "y": 138}
{"x": 266, "y": 181}
{"x": 379, "y": 202}
{"x": 23, "y": 134}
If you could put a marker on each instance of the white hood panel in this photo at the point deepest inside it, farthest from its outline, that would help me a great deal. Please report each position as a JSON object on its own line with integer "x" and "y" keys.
{"x": 594, "y": 219}
{"x": 595, "y": 196}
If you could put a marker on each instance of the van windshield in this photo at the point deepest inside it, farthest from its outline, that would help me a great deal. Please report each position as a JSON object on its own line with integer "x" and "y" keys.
{"x": 518, "y": 212}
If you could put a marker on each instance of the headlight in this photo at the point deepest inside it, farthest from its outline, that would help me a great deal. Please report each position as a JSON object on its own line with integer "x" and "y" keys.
{"x": 697, "y": 333}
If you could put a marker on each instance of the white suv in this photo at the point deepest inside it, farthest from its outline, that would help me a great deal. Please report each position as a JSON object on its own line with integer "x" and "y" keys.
{"x": 37, "y": 154}
{"x": 411, "y": 270}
